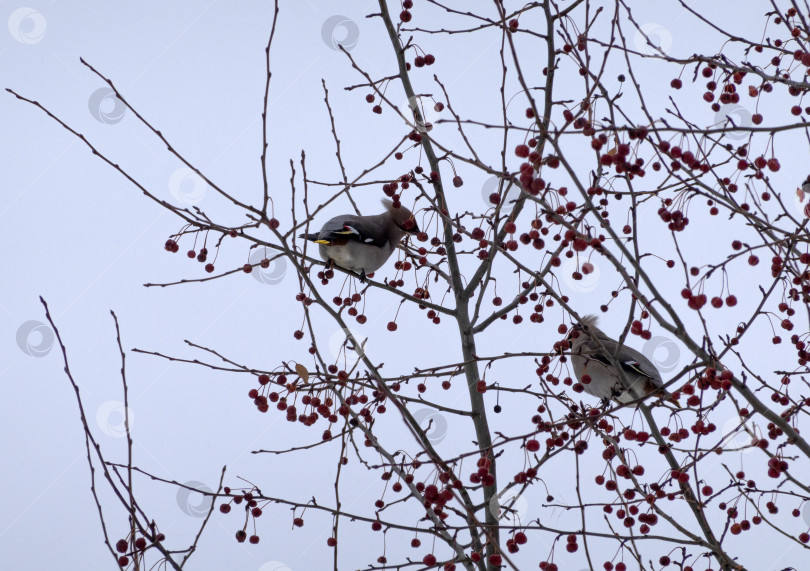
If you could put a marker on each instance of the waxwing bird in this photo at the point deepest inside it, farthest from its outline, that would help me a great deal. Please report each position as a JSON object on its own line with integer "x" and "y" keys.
{"x": 591, "y": 361}
{"x": 362, "y": 244}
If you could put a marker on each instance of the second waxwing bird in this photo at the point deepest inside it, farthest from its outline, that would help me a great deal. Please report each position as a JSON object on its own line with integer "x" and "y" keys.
{"x": 590, "y": 360}
{"x": 362, "y": 244}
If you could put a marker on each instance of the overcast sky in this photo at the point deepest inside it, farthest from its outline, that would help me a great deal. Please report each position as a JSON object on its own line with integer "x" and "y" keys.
{"x": 83, "y": 237}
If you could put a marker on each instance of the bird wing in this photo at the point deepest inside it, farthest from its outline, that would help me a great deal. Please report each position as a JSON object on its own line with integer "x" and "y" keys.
{"x": 344, "y": 229}
{"x": 630, "y": 367}
{"x": 632, "y": 361}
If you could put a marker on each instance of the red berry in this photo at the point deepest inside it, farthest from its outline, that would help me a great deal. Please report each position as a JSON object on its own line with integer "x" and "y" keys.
{"x": 522, "y": 151}
{"x": 392, "y": 326}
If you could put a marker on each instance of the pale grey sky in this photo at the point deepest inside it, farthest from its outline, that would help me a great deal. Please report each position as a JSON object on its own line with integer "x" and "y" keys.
{"x": 77, "y": 233}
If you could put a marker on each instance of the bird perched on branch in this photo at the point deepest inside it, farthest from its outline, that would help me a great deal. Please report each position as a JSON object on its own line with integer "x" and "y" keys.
{"x": 593, "y": 355}
{"x": 362, "y": 244}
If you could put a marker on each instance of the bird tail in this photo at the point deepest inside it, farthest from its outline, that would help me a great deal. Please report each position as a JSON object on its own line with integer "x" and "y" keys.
{"x": 311, "y": 237}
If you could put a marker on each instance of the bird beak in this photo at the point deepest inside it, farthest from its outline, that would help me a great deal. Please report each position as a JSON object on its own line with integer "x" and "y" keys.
{"x": 410, "y": 226}
{"x": 568, "y": 342}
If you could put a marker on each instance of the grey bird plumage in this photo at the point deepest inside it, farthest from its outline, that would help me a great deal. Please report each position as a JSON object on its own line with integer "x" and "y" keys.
{"x": 588, "y": 358}
{"x": 362, "y": 244}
